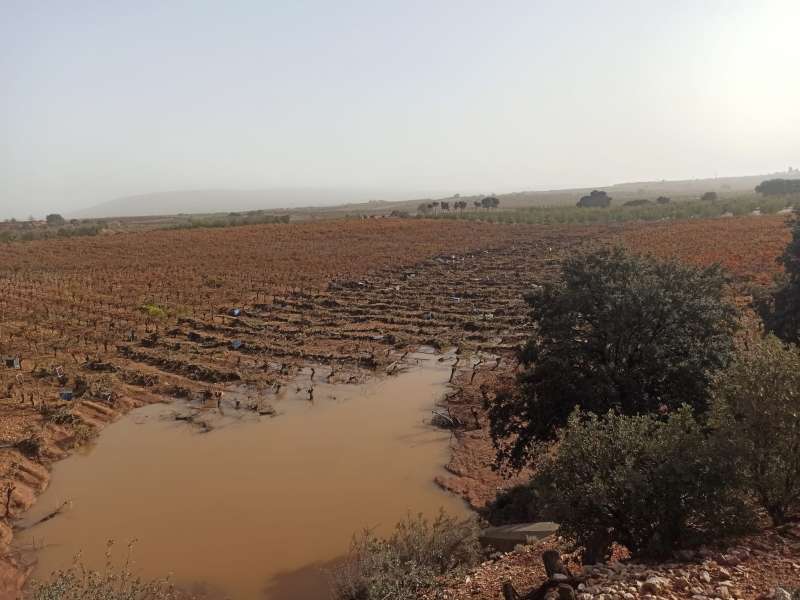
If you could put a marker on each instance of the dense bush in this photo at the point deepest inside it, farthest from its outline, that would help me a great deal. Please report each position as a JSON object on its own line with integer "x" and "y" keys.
{"x": 757, "y": 412}
{"x": 780, "y": 309}
{"x": 408, "y": 562}
{"x": 651, "y": 484}
{"x": 618, "y": 331}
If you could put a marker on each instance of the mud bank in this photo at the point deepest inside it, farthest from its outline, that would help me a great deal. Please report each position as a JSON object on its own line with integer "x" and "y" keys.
{"x": 255, "y": 507}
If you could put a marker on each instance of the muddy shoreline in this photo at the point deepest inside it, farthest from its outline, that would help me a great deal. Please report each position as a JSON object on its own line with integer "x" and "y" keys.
{"x": 469, "y": 462}
{"x": 346, "y": 331}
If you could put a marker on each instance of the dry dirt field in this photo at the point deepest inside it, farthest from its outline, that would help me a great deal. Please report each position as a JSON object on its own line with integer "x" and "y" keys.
{"x": 126, "y": 319}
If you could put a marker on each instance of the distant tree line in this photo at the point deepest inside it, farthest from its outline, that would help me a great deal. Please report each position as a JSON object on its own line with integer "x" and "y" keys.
{"x": 428, "y": 208}
{"x": 54, "y": 226}
{"x": 778, "y": 187}
{"x": 233, "y": 219}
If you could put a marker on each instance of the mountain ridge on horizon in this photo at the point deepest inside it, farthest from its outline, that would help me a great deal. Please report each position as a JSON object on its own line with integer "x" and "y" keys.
{"x": 207, "y": 201}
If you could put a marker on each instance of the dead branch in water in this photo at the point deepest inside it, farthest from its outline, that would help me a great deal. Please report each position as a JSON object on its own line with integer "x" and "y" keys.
{"x": 49, "y": 515}
{"x": 193, "y": 420}
{"x": 10, "y": 487}
{"x": 445, "y": 420}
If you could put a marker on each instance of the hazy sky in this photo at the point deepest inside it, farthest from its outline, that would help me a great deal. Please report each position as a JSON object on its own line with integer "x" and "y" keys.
{"x": 110, "y": 98}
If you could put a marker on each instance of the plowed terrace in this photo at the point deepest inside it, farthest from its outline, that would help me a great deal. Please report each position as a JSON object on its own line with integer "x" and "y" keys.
{"x": 125, "y": 316}
{"x": 130, "y": 315}
{"x": 126, "y": 319}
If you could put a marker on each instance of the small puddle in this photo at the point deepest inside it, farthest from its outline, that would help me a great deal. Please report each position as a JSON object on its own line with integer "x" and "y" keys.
{"x": 256, "y": 508}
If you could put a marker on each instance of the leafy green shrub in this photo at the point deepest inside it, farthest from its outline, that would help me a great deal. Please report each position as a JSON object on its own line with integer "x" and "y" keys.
{"x": 780, "y": 309}
{"x": 619, "y": 331}
{"x": 153, "y": 310}
{"x": 409, "y": 561}
{"x": 111, "y": 583}
{"x": 757, "y": 411}
{"x": 651, "y": 484}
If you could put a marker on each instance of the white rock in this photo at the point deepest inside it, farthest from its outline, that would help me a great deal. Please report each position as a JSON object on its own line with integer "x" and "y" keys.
{"x": 781, "y": 594}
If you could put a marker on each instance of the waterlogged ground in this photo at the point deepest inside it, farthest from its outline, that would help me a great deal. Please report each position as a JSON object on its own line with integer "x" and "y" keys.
{"x": 258, "y": 506}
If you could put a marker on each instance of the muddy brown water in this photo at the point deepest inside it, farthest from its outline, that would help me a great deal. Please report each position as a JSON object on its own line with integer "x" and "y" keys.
{"x": 258, "y": 507}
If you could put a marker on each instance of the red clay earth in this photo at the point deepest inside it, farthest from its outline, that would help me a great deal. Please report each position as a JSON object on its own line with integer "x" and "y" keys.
{"x": 127, "y": 319}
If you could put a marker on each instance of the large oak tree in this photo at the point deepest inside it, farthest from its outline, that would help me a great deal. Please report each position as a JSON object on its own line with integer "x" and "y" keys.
{"x": 617, "y": 332}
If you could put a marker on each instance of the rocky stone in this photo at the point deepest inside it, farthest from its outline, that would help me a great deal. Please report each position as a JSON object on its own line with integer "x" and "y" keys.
{"x": 781, "y": 594}
{"x": 730, "y": 560}
{"x": 723, "y": 572}
{"x": 655, "y": 585}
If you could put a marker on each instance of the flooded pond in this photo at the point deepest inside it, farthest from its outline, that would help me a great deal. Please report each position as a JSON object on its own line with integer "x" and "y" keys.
{"x": 255, "y": 508}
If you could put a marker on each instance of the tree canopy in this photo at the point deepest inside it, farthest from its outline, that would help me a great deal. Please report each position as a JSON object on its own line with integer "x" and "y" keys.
{"x": 781, "y": 309}
{"x": 620, "y": 332}
{"x": 490, "y": 202}
{"x": 596, "y": 199}
{"x": 55, "y": 219}
{"x": 778, "y": 187}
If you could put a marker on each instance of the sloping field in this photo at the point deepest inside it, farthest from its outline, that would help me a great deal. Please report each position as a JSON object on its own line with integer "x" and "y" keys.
{"x": 134, "y": 307}
{"x": 127, "y": 319}
{"x": 746, "y": 246}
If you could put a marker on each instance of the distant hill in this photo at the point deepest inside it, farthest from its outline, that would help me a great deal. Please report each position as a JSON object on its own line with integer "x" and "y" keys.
{"x": 316, "y": 200}
{"x": 621, "y": 192}
{"x": 214, "y": 201}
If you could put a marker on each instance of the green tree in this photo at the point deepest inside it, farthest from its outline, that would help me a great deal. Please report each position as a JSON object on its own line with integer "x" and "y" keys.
{"x": 709, "y": 196}
{"x": 780, "y": 309}
{"x": 619, "y": 331}
{"x": 757, "y": 411}
{"x": 650, "y": 484}
{"x": 778, "y": 187}
{"x": 490, "y": 202}
{"x": 596, "y": 199}
{"x": 55, "y": 219}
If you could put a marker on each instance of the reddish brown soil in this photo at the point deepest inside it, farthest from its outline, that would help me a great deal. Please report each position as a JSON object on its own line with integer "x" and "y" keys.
{"x": 746, "y": 246}
{"x": 347, "y": 298}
